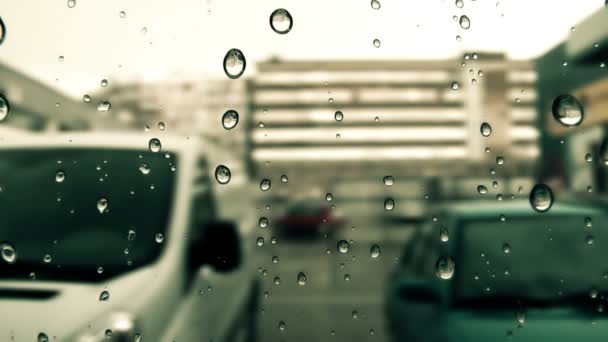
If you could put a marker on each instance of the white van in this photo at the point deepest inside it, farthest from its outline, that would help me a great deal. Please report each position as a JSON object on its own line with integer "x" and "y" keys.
{"x": 104, "y": 238}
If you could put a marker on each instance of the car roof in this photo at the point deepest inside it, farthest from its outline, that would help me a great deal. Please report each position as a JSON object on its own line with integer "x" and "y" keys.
{"x": 128, "y": 140}
{"x": 479, "y": 209}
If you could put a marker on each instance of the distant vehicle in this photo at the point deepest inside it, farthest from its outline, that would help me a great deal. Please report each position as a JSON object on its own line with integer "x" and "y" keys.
{"x": 532, "y": 276}
{"x": 310, "y": 218}
{"x": 101, "y": 236}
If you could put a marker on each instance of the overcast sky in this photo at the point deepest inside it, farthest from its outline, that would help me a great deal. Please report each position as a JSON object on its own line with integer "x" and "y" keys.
{"x": 188, "y": 38}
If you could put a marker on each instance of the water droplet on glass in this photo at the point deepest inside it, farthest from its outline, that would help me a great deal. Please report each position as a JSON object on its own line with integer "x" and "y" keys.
{"x": 281, "y": 21}
{"x": 277, "y": 280}
{"x": 102, "y": 204}
{"x": 222, "y": 174}
{"x": 589, "y": 239}
{"x": 122, "y": 14}
{"x": 343, "y": 246}
{"x": 9, "y": 254}
{"x": 131, "y": 235}
{"x": 593, "y": 293}
{"x": 104, "y": 83}
{"x": 71, "y": 3}
{"x": 485, "y": 129}
{"x": 282, "y": 326}
{"x": 338, "y": 116}
{"x": 455, "y": 85}
{"x": 301, "y": 279}
{"x": 265, "y": 184}
{"x": 459, "y": 3}
{"x": 154, "y": 145}
{"x": 444, "y": 234}
{"x": 329, "y": 197}
{"x": 47, "y": 258}
{"x": 234, "y": 63}
{"x": 444, "y": 267}
{"x": 159, "y": 238}
{"x": 375, "y": 4}
{"x": 482, "y": 190}
{"x": 104, "y": 106}
{"x": 284, "y": 178}
{"x": 374, "y": 251}
{"x": 108, "y": 333}
{"x": 5, "y": 108}
{"x": 263, "y": 222}
{"x": 59, "y": 176}
{"x": 144, "y": 168}
{"x": 42, "y": 337}
{"x": 506, "y": 248}
{"x": 464, "y": 21}
{"x": 259, "y": 241}
{"x": 230, "y": 119}
{"x": 567, "y": 110}
{"x": 376, "y": 43}
{"x": 588, "y": 222}
{"x": 541, "y": 198}
{"x": 500, "y": 160}
{"x": 388, "y": 180}
{"x": 520, "y": 318}
{"x": 86, "y": 98}
{"x": 104, "y": 296}
{"x": 389, "y": 204}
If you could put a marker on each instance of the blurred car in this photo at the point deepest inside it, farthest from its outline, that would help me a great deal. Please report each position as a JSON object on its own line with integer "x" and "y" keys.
{"x": 503, "y": 271}
{"x": 310, "y": 218}
{"x": 103, "y": 237}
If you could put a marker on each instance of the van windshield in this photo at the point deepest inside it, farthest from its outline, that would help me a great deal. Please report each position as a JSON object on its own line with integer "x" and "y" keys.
{"x": 83, "y": 214}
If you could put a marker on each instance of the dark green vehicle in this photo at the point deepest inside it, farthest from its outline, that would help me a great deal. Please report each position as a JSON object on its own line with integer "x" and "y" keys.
{"x": 491, "y": 271}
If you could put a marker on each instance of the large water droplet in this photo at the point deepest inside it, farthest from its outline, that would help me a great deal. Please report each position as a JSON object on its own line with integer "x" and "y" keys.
{"x": 329, "y": 197}
{"x": 482, "y": 190}
{"x": 131, "y": 235}
{"x": 444, "y": 267}
{"x": 485, "y": 129}
{"x": 282, "y": 325}
{"x": 464, "y": 21}
{"x": 444, "y": 234}
{"x": 5, "y": 108}
{"x": 104, "y": 295}
{"x": 376, "y": 43}
{"x": 567, "y": 110}
{"x": 234, "y": 63}
{"x": 222, "y": 174}
{"x": 159, "y": 238}
{"x": 459, "y": 3}
{"x": 230, "y": 119}
{"x": 455, "y": 85}
{"x": 388, "y": 180}
{"x": 338, "y": 116}
{"x": 265, "y": 184}
{"x": 71, "y": 3}
{"x": 374, "y": 251}
{"x": 9, "y": 254}
{"x": 506, "y": 248}
{"x": 301, "y": 279}
{"x": 281, "y": 21}
{"x": 259, "y": 241}
{"x": 104, "y": 106}
{"x": 343, "y": 246}
{"x": 541, "y": 198}
{"x": 104, "y": 83}
{"x": 389, "y": 204}
{"x": 42, "y": 337}
{"x": 2, "y": 31}
{"x": 263, "y": 222}
{"x": 375, "y": 4}
{"x": 86, "y": 98}
{"x": 154, "y": 145}
{"x": 144, "y": 168}
{"x": 59, "y": 176}
{"x": 102, "y": 204}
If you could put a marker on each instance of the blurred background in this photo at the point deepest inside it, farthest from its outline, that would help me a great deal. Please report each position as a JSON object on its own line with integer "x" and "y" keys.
{"x": 367, "y": 118}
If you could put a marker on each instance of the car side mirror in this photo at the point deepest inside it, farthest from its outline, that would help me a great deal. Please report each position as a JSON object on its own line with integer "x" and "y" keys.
{"x": 219, "y": 246}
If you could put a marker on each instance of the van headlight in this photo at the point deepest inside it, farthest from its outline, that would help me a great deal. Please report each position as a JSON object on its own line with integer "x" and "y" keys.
{"x": 121, "y": 327}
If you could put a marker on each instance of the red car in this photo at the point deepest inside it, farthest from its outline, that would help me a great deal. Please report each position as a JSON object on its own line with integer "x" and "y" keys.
{"x": 310, "y": 218}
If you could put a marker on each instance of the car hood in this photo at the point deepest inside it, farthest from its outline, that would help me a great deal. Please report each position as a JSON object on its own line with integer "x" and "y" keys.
{"x": 540, "y": 325}
{"x": 64, "y": 309}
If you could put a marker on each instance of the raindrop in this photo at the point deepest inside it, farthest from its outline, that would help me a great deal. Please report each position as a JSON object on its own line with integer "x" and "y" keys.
{"x": 60, "y": 58}
{"x": 388, "y": 180}
{"x": 131, "y": 235}
{"x": 260, "y": 241}
{"x": 464, "y": 21}
{"x": 588, "y": 222}
{"x": 86, "y": 98}
{"x": 234, "y": 63}
{"x": 347, "y": 277}
{"x": 376, "y": 4}
{"x": 520, "y": 318}
{"x": 71, "y": 3}
{"x": 281, "y": 21}
{"x": 263, "y": 222}
{"x": 284, "y": 178}
{"x": 389, "y": 204}
{"x": 567, "y": 110}
{"x": 275, "y": 259}
{"x": 502, "y": 218}
{"x": 59, "y": 176}
{"x": 301, "y": 279}
{"x": 590, "y": 239}
{"x": 500, "y": 160}
{"x": 339, "y": 116}
{"x": 161, "y": 126}
{"x": 104, "y": 83}
{"x": 374, "y": 251}
{"x": 593, "y": 293}
{"x": 455, "y": 85}
{"x": 482, "y": 190}
{"x": 485, "y": 129}
{"x": 108, "y": 333}
{"x": 376, "y": 43}
{"x": 230, "y": 119}
{"x": 444, "y": 234}
{"x": 459, "y": 3}
{"x": 444, "y": 267}
{"x": 104, "y": 106}
{"x": 159, "y": 238}
{"x": 277, "y": 280}
{"x": 9, "y": 254}
{"x": 222, "y": 174}
{"x": 265, "y": 184}
{"x": 122, "y": 14}
{"x": 329, "y": 197}
{"x": 5, "y": 107}
{"x": 104, "y": 296}
{"x": 343, "y": 246}
{"x": 47, "y": 258}
{"x": 144, "y": 168}
{"x": 588, "y": 158}
{"x": 541, "y": 198}
{"x": 154, "y": 145}
{"x": 282, "y": 326}
{"x": 506, "y": 248}
{"x": 355, "y": 314}
{"x": 42, "y": 337}
{"x": 102, "y": 204}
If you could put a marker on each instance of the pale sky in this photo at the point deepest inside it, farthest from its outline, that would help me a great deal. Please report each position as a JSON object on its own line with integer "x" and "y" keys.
{"x": 188, "y": 38}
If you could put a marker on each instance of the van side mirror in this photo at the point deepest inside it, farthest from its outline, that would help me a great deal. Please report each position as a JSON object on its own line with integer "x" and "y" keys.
{"x": 219, "y": 246}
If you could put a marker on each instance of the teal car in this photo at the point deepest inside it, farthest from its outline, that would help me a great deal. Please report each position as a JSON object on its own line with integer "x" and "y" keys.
{"x": 490, "y": 271}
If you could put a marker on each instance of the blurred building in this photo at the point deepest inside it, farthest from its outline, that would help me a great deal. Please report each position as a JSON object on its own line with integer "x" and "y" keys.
{"x": 578, "y": 67}
{"x": 407, "y": 119}
{"x": 37, "y": 107}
